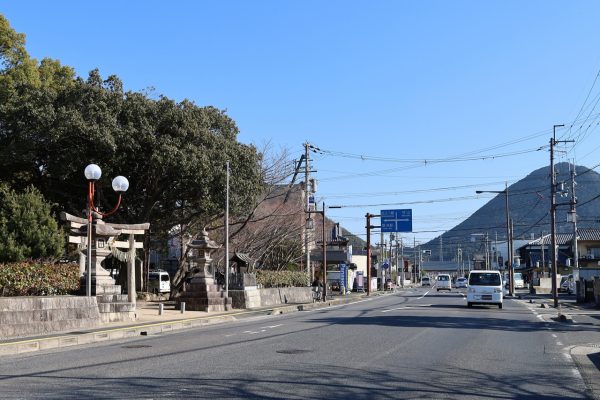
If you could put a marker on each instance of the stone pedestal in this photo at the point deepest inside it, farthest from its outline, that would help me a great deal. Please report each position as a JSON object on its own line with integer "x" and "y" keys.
{"x": 202, "y": 294}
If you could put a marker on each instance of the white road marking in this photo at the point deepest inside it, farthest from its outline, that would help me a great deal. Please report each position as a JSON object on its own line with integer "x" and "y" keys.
{"x": 554, "y": 335}
{"x": 426, "y": 293}
{"x": 559, "y": 343}
{"x": 407, "y": 307}
{"x": 271, "y": 326}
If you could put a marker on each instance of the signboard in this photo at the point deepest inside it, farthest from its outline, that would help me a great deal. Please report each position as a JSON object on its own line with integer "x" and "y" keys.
{"x": 396, "y": 220}
{"x": 343, "y": 278}
{"x": 360, "y": 283}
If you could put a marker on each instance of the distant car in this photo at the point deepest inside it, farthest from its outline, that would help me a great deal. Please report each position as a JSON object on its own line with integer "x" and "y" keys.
{"x": 567, "y": 284}
{"x": 444, "y": 282}
{"x": 461, "y": 283}
{"x": 518, "y": 279}
{"x": 425, "y": 281}
{"x": 389, "y": 284}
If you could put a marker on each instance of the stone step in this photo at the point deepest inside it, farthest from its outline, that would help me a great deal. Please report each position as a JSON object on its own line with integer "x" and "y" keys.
{"x": 193, "y": 287}
{"x": 208, "y": 295}
{"x": 116, "y": 307}
{"x": 112, "y": 298}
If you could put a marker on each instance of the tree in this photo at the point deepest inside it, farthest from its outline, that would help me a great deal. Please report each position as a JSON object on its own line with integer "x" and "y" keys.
{"x": 27, "y": 227}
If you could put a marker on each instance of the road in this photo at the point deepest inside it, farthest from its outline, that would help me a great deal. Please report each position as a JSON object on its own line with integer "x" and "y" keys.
{"x": 417, "y": 344}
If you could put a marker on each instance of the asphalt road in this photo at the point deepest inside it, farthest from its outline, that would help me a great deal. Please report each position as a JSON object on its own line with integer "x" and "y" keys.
{"x": 417, "y": 344}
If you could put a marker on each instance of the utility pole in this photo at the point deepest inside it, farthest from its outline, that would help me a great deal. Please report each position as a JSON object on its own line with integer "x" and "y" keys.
{"x": 441, "y": 248}
{"x": 324, "y": 257}
{"x": 381, "y": 262}
{"x": 414, "y": 272}
{"x": 553, "y": 143}
{"x": 227, "y": 231}
{"x": 307, "y": 207}
{"x": 543, "y": 256}
{"x": 573, "y": 213}
{"x": 369, "y": 227}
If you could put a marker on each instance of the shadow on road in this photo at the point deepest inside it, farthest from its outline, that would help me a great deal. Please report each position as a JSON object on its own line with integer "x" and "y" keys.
{"x": 450, "y": 322}
{"x": 298, "y": 377}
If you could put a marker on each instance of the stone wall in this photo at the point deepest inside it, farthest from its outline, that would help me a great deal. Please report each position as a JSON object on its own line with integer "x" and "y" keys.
{"x": 26, "y": 316}
{"x": 254, "y": 298}
{"x": 277, "y": 296}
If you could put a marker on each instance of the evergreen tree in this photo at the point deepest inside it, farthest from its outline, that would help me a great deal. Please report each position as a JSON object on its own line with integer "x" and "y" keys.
{"x": 27, "y": 228}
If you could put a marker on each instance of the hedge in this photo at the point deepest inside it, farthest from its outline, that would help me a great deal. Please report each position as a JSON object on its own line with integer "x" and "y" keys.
{"x": 273, "y": 279}
{"x": 38, "y": 279}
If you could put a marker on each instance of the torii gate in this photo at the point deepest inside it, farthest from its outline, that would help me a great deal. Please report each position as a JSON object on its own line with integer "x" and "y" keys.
{"x": 104, "y": 243}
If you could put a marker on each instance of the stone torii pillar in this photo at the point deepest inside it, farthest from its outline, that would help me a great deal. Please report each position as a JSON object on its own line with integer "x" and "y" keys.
{"x": 104, "y": 243}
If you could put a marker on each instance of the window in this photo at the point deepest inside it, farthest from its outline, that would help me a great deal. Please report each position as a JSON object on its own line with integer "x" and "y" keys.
{"x": 484, "y": 279}
{"x": 443, "y": 278}
{"x": 593, "y": 252}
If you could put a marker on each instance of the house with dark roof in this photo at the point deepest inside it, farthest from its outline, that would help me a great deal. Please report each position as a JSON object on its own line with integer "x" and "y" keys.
{"x": 537, "y": 256}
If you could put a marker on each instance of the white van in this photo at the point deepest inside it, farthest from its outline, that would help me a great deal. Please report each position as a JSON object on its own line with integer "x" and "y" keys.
{"x": 443, "y": 282}
{"x": 159, "y": 281}
{"x": 485, "y": 287}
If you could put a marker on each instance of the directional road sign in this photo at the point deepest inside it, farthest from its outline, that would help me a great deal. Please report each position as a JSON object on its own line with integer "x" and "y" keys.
{"x": 396, "y": 220}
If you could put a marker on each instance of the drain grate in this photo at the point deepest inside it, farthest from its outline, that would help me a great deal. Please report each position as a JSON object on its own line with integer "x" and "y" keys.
{"x": 136, "y": 346}
{"x": 292, "y": 351}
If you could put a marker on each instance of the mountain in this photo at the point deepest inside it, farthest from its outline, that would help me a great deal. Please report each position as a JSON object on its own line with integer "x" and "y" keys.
{"x": 529, "y": 205}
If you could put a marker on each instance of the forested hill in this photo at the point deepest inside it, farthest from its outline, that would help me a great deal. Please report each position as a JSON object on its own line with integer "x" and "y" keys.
{"x": 529, "y": 204}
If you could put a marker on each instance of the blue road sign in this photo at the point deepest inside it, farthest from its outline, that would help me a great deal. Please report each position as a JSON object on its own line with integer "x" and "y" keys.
{"x": 396, "y": 220}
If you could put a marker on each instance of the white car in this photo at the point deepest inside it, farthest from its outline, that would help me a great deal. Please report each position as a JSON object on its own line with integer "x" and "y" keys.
{"x": 518, "y": 280}
{"x": 425, "y": 281}
{"x": 567, "y": 284}
{"x": 460, "y": 283}
{"x": 443, "y": 282}
{"x": 485, "y": 287}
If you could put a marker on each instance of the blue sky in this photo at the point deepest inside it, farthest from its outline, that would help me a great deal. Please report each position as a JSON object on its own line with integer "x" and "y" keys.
{"x": 405, "y": 81}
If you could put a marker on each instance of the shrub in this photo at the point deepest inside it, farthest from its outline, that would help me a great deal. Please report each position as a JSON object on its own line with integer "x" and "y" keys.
{"x": 273, "y": 279}
{"x": 38, "y": 279}
{"x": 27, "y": 228}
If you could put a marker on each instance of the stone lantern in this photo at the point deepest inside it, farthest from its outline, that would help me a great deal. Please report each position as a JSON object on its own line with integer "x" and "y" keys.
{"x": 201, "y": 293}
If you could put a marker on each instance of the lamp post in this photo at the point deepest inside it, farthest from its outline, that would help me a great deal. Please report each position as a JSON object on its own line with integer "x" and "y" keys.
{"x": 508, "y": 237}
{"x": 120, "y": 184}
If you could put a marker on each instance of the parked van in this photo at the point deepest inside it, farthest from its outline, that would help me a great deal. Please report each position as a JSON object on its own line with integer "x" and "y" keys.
{"x": 159, "y": 281}
{"x": 485, "y": 287}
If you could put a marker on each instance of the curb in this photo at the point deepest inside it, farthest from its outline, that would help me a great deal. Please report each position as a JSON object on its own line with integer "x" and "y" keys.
{"x": 31, "y": 345}
{"x": 586, "y": 367}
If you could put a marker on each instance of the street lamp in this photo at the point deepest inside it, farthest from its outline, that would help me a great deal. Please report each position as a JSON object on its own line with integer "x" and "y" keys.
{"x": 508, "y": 237}
{"x": 120, "y": 184}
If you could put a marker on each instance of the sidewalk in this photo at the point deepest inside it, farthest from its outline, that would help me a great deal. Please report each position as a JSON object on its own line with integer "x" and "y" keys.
{"x": 150, "y": 321}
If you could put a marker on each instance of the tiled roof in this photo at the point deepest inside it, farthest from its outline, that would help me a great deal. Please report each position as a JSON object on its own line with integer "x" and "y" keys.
{"x": 561, "y": 238}
{"x": 566, "y": 238}
{"x": 588, "y": 234}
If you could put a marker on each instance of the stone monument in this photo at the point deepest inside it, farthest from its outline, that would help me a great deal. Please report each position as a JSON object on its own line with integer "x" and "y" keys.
{"x": 201, "y": 293}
